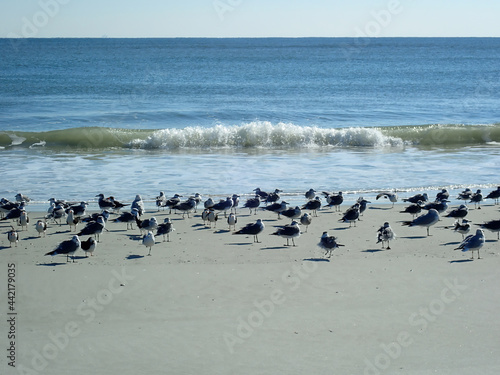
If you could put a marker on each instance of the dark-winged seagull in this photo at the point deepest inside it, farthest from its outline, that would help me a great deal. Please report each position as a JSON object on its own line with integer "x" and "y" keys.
{"x": 161, "y": 200}
{"x": 186, "y": 207}
{"x": 128, "y": 217}
{"x": 477, "y": 198}
{"x": 292, "y": 213}
{"x": 334, "y": 200}
{"x": 463, "y": 228}
{"x": 385, "y": 234}
{"x": 252, "y": 203}
{"x": 165, "y": 228}
{"x": 313, "y": 205}
{"x": 306, "y": 220}
{"x": 273, "y": 197}
{"x": 440, "y": 206}
{"x": 172, "y": 202}
{"x": 458, "y": 213}
{"x": 493, "y": 225}
{"x": 473, "y": 242}
{"x": 89, "y": 246}
{"x": 426, "y": 220}
{"x": 443, "y": 194}
{"x": 253, "y": 229}
{"x": 68, "y": 247}
{"x": 328, "y": 243}
{"x": 495, "y": 194}
{"x": 224, "y": 205}
{"x": 351, "y": 215}
{"x": 310, "y": 194}
{"x": 413, "y": 209}
{"x": 362, "y": 205}
{"x": 71, "y": 219}
{"x": 41, "y": 227}
{"x": 104, "y": 203}
{"x": 146, "y": 225}
{"x": 24, "y": 220}
{"x": 232, "y": 220}
{"x": 139, "y": 204}
{"x": 94, "y": 228}
{"x": 117, "y": 206}
{"x": 417, "y": 198}
{"x": 289, "y": 231}
{"x": 393, "y": 197}
{"x": 277, "y": 208}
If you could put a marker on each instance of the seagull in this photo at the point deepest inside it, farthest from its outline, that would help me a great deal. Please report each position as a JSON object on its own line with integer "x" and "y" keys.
{"x": 334, "y": 200}
{"x": 426, "y": 220}
{"x": 209, "y": 203}
{"x": 71, "y": 220}
{"x": 13, "y": 236}
{"x": 224, "y": 205}
{"x": 417, "y": 198}
{"x": 204, "y": 216}
{"x": 277, "y": 208}
{"x": 232, "y": 220}
{"x": 197, "y": 198}
{"x": 236, "y": 201}
{"x": 385, "y": 234}
{"x": 473, "y": 242}
{"x": 186, "y": 207}
{"x": 253, "y": 228}
{"x": 139, "y": 204}
{"x": 7, "y": 205}
{"x": 89, "y": 246}
{"x": 56, "y": 212}
{"x": 393, "y": 197}
{"x": 289, "y": 231}
{"x": 212, "y": 218}
{"x": 78, "y": 210}
{"x": 362, "y": 205}
{"x": 459, "y": 212}
{"x": 413, "y": 209}
{"x": 493, "y": 225}
{"x": 273, "y": 197}
{"x": 313, "y": 205}
{"x": 495, "y": 194}
{"x": 104, "y": 214}
{"x": 443, "y": 194}
{"x": 477, "y": 198}
{"x": 252, "y": 203}
{"x": 149, "y": 240}
{"x": 14, "y": 213}
{"x": 174, "y": 201}
{"x": 465, "y": 195}
{"x": 351, "y": 215}
{"x": 165, "y": 228}
{"x": 306, "y": 220}
{"x": 94, "y": 228}
{"x": 261, "y": 194}
{"x": 68, "y": 247}
{"x": 161, "y": 200}
{"x": 310, "y": 194}
{"x": 104, "y": 203}
{"x": 292, "y": 213}
{"x": 117, "y": 206}
{"x": 440, "y": 206}
{"x": 41, "y": 227}
{"x": 22, "y": 198}
{"x": 24, "y": 220}
{"x": 146, "y": 224}
{"x": 463, "y": 228}
{"x": 328, "y": 243}
{"x": 128, "y": 217}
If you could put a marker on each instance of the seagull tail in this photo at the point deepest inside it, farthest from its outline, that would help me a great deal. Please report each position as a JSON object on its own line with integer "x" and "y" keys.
{"x": 52, "y": 253}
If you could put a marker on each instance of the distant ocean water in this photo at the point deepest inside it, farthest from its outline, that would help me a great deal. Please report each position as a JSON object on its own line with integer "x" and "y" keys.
{"x": 219, "y": 116}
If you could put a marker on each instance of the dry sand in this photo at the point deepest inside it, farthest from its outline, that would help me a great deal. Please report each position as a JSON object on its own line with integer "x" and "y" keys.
{"x": 209, "y": 302}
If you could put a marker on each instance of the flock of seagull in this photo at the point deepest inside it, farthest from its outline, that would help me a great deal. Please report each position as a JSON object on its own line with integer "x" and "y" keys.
{"x": 74, "y": 213}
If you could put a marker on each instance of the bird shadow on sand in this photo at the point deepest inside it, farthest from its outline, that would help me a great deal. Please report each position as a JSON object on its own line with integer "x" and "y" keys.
{"x": 316, "y": 260}
{"x": 134, "y": 256}
{"x": 53, "y": 264}
{"x": 491, "y": 240}
{"x": 284, "y": 247}
{"x": 414, "y": 237}
{"x": 381, "y": 208}
{"x": 342, "y": 228}
{"x": 135, "y": 237}
{"x": 450, "y": 243}
{"x": 461, "y": 261}
{"x": 373, "y": 250}
{"x": 222, "y": 231}
{"x": 4, "y": 247}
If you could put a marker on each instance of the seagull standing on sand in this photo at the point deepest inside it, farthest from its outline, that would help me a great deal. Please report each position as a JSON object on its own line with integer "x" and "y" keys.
{"x": 495, "y": 194}
{"x": 292, "y": 213}
{"x": 277, "y": 207}
{"x": 413, "y": 209}
{"x": 328, "y": 243}
{"x": 104, "y": 203}
{"x": 463, "y": 228}
{"x": 212, "y": 218}
{"x": 186, "y": 207}
{"x": 443, "y": 194}
{"x": 22, "y": 198}
{"x": 334, "y": 200}
{"x": 306, "y": 220}
{"x": 473, "y": 242}
{"x": 426, "y": 220}
{"x": 417, "y": 198}
{"x": 393, "y": 197}
{"x": 232, "y": 220}
{"x": 289, "y": 231}
{"x": 41, "y": 227}
{"x": 313, "y": 205}
{"x": 310, "y": 194}
{"x": 138, "y": 203}
{"x": 385, "y": 234}
{"x": 13, "y": 236}
{"x": 493, "y": 225}
{"x": 71, "y": 220}
{"x": 89, "y": 246}
{"x": 459, "y": 213}
{"x": 273, "y": 197}
{"x": 252, "y": 203}
{"x": 236, "y": 202}
{"x": 351, "y": 215}
{"x": 146, "y": 225}
{"x": 477, "y": 198}
{"x": 362, "y": 205}
{"x": 149, "y": 240}
{"x": 224, "y": 205}
{"x": 161, "y": 200}
{"x": 24, "y": 220}
{"x": 128, "y": 217}
{"x": 94, "y": 228}
{"x": 165, "y": 228}
{"x": 253, "y": 229}
{"x": 68, "y": 247}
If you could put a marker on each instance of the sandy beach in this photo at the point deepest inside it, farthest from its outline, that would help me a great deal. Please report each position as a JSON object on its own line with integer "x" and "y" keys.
{"x": 210, "y": 302}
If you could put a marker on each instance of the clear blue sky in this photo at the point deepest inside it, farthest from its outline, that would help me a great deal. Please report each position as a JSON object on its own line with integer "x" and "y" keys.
{"x": 248, "y": 18}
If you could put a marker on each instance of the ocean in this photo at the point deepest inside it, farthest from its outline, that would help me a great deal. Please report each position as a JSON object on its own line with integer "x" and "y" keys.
{"x": 79, "y": 117}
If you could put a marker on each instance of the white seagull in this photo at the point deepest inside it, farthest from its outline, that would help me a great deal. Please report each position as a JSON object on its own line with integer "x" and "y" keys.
{"x": 473, "y": 242}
